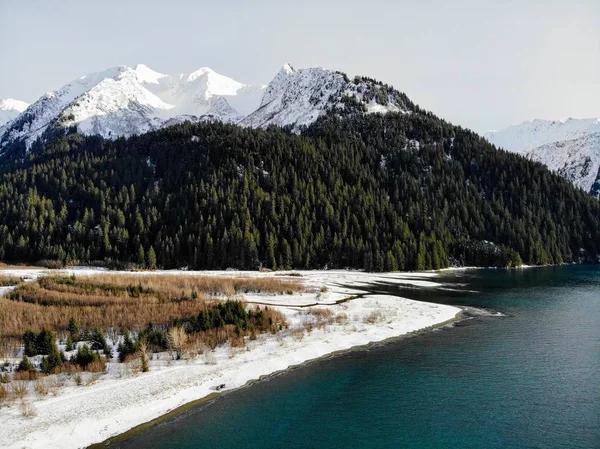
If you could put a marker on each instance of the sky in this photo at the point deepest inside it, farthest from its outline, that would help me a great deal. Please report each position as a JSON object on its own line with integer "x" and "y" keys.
{"x": 480, "y": 64}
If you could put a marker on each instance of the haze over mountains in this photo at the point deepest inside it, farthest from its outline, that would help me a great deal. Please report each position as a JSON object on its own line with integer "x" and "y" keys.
{"x": 124, "y": 101}
{"x": 570, "y": 147}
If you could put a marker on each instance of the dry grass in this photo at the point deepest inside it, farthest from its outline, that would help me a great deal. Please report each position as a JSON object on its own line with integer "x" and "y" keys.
{"x": 321, "y": 318}
{"x": 98, "y": 366}
{"x": 121, "y": 301}
{"x": 27, "y": 375}
{"x": 8, "y": 281}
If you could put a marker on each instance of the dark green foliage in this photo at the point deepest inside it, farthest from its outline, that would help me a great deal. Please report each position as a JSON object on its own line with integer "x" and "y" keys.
{"x": 25, "y": 364}
{"x": 73, "y": 330}
{"x": 155, "y": 337}
{"x": 127, "y": 347}
{"x": 42, "y": 343}
{"x": 98, "y": 343}
{"x": 364, "y": 191}
{"x": 84, "y": 356}
{"x": 30, "y": 343}
{"x": 228, "y": 312}
{"x": 151, "y": 259}
{"x": 69, "y": 345}
{"x": 52, "y": 361}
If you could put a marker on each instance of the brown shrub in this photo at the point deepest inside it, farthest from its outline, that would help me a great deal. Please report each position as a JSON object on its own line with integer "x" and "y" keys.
{"x": 120, "y": 301}
{"x": 3, "y": 395}
{"x": 27, "y": 375}
{"x": 97, "y": 366}
{"x": 341, "y": 318}
{"x": 322, "y": 316}
{"x": 373, "y": 317}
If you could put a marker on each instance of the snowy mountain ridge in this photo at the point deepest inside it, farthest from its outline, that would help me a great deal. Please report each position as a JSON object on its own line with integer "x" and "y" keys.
{"x": 124, "y": 101}
{"x": 569, "y": 147}
{"x": 10, "y": 109}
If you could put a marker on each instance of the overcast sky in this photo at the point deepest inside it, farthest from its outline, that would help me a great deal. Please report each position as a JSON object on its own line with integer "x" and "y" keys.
{"x": 481, "y": 64}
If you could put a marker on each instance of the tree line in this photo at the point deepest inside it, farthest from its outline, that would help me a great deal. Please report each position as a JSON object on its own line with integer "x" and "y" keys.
{"x": 376, "y": 192}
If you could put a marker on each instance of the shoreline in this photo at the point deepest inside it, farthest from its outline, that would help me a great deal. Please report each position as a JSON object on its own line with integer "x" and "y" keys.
{"x": 119, "y": 404}
{"x": 207, "y": 400}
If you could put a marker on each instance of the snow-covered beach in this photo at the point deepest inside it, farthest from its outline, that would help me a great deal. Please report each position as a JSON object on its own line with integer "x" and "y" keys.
{"x": 120, "y": 400}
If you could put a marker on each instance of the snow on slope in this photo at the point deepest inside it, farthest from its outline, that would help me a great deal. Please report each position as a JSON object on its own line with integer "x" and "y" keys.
{"x": 10, "y": 109}
{"x": 577, "y": 160}
{"x": 122, "y": 101}
{"x": 570, "y": 147}
{"x": 299, "y": 97}
{"x": 532, "y": 134}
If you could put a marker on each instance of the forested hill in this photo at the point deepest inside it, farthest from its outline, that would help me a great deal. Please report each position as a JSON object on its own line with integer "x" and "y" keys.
{"x": 380, "y": 192}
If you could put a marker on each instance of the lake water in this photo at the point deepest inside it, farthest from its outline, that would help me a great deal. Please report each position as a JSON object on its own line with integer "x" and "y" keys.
{"x": 529, "y": 379}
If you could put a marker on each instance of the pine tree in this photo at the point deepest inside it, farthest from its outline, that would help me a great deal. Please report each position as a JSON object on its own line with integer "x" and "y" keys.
{"x": 141, "y": 258}
{"x": 151, "y": 259}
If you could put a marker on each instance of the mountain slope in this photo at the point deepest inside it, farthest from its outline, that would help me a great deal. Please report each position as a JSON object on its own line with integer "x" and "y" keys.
{"x": 348, "y": 191}
{"x": 570, "y": 147}
{"x": 124, "y": 101}
{"x": 10, "y": 109}
{"x": 298, "y": 97}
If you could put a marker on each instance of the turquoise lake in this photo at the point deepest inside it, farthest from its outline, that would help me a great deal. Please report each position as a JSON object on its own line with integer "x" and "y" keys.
{"x": 528, "y": 379}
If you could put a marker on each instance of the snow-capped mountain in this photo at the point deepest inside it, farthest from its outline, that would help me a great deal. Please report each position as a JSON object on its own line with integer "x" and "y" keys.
{"x": 570, "y": 147}
{"x": 124, "y": 101}
{"x": 10, "y": 109}
{"x": 299, "y": 97}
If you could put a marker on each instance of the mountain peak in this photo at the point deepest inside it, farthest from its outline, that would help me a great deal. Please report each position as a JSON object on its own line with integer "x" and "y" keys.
{"x": 12, "y": 104}
{"x": 200, "y": 72}
{"x": 571, "y": 146}
{"x": 123, "y": 101}
{"x": 147, "y": 75}
{"x": 10, "y": 109}
{"x": 287, "y": 68}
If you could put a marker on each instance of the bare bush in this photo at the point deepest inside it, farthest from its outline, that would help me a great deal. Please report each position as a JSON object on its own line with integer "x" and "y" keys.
{"x": 56, "y": 383}
{"x": 143, "y": 353}
{"x": 92, "y": 379}
{"x": 298, "y": 334}
{"x": 374, "y": 317}
{"x": 210, "y": 358}
{"x": 19, "y": 388}
{"x": 41, "y": 387}
{"x": 177, "y": 339}
{"x": 4, "y": 394}
{"x": 27, "y": 410}
{"x": 341, "y": 318}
